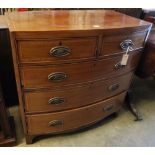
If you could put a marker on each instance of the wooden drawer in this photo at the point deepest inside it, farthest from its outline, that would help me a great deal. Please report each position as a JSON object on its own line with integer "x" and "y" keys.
{"x": 73, "y": 119}
{"x": 56, "y": 50}
{"x": 111, "y": 44}
{"x": 44, "y": 101}
{"x": 67, "y": 74}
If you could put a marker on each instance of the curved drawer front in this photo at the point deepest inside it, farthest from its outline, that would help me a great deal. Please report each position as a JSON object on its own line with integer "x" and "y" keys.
{"x": 67, "y": 74}
{"x": 56, "y": 50}
{"x": 73, "y": 119}
{"x": 75, "y": 97}
{"x": 111, "y": 44}
{"x": 113, "y": 69}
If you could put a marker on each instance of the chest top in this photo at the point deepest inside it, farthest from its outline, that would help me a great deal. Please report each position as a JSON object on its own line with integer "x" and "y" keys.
{"x": 64, "y": 20}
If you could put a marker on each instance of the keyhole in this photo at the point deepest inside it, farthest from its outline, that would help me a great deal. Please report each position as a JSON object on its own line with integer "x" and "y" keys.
{"x": 60, "y": 43}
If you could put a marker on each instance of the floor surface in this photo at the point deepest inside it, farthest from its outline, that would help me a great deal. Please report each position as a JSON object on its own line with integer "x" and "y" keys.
{"x": 119, "y": 130}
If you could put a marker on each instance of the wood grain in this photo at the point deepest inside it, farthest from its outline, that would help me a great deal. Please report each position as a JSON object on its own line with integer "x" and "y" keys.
{"x": 74, "y": 119}
{"x": 54, "y": 20}
{"x": 39, "y": 50}
{"x": 37, "y": 101}
{"x": 37, "y": 76}
{"x": 111, "y": 44}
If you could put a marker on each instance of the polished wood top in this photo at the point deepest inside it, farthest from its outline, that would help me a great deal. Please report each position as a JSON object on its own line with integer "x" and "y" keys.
{"x": 53, "y": 20}
{"x": 3, "y": 23}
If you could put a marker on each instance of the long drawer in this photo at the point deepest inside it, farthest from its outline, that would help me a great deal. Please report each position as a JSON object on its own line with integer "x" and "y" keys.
{"x": 111, "y": 43}
{"x": 68, "y": 74}
{"x": 73, "y": 119}
{"x": 44, "y": 101}
{"x": 56, "y": 50}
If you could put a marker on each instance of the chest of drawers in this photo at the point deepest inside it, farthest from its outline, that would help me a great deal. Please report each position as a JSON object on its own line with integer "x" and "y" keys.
{"x": 67, "y": 66}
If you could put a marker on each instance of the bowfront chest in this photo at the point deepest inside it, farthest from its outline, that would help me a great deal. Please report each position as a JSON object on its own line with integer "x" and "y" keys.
{"x": 73, "y": 68}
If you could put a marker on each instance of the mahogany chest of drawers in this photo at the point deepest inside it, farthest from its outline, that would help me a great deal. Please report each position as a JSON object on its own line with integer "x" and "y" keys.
{"x": 68, "y": 66}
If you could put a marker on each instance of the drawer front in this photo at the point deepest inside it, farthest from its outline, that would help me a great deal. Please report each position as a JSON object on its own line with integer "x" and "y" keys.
{"x": 75, "y": 97}
{"x": 69, "y": 74}
{"x": 73, "y": 119}
{"x": 109, "y": 68}
{"x": 111, "y": 44}
{"x": 56, "y": 50}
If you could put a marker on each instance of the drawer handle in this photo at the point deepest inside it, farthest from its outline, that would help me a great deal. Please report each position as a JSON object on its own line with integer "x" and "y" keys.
{"x": 60, "y": 51}
{"x": 126, "y": 43}
{"x": 56, "y": 100}
{"x": 57, "y": 77}
{"x": 108, "y": 108}
{"x": 113, "y": 87}
{"x": 55, "y": 123}
{"x": 119, "y": 66}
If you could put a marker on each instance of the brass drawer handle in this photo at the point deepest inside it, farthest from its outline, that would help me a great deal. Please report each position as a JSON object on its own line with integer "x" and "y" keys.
{"x": 57, "y": 77}
{"x": 60, "y": 51}
{"x": 126, "y": 43}
{"x": 108, "y": 108}
{"x": 119, "y": 66}
{"x": 56, "y": 100}
{"x": 55, "y": 123}
{"x": 113, "y": 87}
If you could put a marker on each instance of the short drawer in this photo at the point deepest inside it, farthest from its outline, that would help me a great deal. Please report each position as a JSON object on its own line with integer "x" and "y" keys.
{"x": 75, "y": 73}
{"x": 73, "y": 119}
{"x": 111, "y": 44}
{"x": 56, "y": 50}
{"x": 45, "y": 101}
